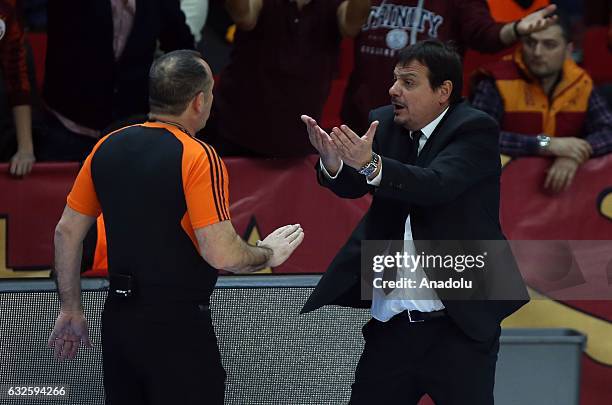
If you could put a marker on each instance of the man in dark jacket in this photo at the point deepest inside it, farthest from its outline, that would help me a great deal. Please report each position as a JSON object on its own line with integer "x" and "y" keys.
{"x": 433, "y": 165}
{"x": 98, "y": 57}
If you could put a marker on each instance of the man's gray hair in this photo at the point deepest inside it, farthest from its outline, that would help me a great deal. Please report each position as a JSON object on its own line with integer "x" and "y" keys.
{"x": 175, "y": 78}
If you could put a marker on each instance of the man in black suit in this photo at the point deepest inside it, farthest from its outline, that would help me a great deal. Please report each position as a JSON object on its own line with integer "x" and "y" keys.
{"x": 432, "y": 164}
{"x": 97, "y": 67}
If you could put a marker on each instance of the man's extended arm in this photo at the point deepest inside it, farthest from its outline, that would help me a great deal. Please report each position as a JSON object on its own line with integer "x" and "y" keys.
{"x": 23, "y": 159}
{"x": 68, "y": 241}
{"x": 472, "y": 156}
{"x": 481, "y": 32}
{"x": 70, "y": 330}
{"x": 534, "y": 22}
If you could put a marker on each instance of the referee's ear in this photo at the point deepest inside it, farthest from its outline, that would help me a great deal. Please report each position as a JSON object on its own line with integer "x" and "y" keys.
{"x": 201, "y": 102}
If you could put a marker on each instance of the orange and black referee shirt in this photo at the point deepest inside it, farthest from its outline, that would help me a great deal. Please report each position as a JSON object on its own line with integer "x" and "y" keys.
{"x": 155, "y": 184}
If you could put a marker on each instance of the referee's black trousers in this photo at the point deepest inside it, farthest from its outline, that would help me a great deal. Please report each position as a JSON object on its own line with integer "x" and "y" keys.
{"x": 160, "y": 354}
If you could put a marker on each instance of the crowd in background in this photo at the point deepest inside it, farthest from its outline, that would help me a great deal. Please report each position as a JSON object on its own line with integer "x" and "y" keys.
{"x": 273, "y": 60}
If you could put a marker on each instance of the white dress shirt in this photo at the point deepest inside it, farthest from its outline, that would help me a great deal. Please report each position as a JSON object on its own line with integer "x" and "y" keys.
{"x": 424, "y": 300}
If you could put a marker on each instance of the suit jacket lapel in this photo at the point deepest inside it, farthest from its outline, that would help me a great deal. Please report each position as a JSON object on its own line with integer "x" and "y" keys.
{"x": 396, "y": 144}
{"x": 437, "y": 140}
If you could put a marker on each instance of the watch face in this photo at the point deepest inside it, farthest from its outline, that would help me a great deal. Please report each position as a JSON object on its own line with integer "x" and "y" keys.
{"x": 543, "y": 141}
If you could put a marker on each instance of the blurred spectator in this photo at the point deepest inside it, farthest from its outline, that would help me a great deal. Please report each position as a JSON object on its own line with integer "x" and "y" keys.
{"x": 390, "y": 28}
{"x": 546, "y": 105}
{"x": 195, "y": 12}
{"x": 98, "y": 58}
{"x": 214, "y": 44}
{"x": 17, "y": 84}
{"x": 284, "y": 59}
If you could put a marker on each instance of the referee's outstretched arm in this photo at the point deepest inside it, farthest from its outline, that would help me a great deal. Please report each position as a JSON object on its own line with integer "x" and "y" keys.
{"x": 223, "y": 249}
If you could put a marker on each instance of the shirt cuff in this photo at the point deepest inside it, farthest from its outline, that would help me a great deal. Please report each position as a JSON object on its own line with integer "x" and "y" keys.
{"x": 532, "y": 146}
{"x": 326, "y": 173}
{"x": 376, "y": 180}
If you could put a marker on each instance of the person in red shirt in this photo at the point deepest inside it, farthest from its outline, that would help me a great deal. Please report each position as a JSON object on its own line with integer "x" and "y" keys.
{"x": 15, "y": 73}
{"x": 390, "y": 27}
{"x": 282, "y": 65}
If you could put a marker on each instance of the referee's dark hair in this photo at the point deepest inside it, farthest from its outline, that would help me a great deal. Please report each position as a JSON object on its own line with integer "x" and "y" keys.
{"x": 442, "y": 61}
{"x": 175, "y": 78}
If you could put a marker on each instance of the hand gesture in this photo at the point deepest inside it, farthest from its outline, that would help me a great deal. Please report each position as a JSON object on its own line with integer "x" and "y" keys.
{"x": 537, "y": 21}
{"x": 561, "y": 174}
{"x": 21, "y": 163}
{"x": 283, "y": 241}
{"x": 323, "y": 144}
{"x": 570, "y": 147}
{"x": 354, "y": 150}
{"x": 69, "y": 332}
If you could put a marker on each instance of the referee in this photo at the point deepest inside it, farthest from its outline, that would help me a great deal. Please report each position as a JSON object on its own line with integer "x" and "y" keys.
{"x": 164, "y": 196}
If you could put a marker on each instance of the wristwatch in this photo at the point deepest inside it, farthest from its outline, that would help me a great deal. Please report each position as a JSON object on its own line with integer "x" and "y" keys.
{"x": 370, "y": 167}
{"x": 543, "y": 142}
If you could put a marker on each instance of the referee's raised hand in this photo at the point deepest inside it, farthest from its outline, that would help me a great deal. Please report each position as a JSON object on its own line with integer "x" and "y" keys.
{"x": 283, "y": 241}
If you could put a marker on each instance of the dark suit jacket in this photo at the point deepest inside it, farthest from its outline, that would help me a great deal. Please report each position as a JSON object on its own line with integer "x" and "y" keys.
{"x": 451, "y": 193}
{"x": 82, "y": 79}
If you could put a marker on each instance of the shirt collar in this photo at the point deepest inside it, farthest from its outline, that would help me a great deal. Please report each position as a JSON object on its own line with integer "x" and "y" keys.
{"x": 428, "y": 129}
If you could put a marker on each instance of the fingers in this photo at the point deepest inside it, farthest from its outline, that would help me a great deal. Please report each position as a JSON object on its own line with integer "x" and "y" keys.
{"x": 13, "y": 167}
{"x": 328, "y": 145}
{"x": 72, "y": 351}
{"x": 549, "y": 177}
{"x": 341, "y": 141}
{"x": 308, "y": 120}
{"x": 369, "y": 135}
{"x": 584, "y": 150}
{"x": 279, "y": 230}
{"x": 288, "y": 230}
{"x": 67, "y": 349}
{"x": 297, "y": 241}
{"x": 580, "y": 150}
{"x": 21, "y": 168}
{"x": 52, "y": 338}
{"x": 349, "y": 134}
{"x": 319, "y": 139}
{"x": 294, "y": 235}
{"x": 568, "y": 180}
{"x": 548, "y": 10}
{"x": 556, "y": 179}
{"x": 58, "y": 347}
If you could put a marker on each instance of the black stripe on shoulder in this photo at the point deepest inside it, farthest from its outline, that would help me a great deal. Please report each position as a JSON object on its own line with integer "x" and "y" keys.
{"x": 214, "y": 177}
{"x": 224, "y": 207}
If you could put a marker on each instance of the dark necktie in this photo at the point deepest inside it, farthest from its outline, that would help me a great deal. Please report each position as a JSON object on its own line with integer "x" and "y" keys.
{"x": 414, "y": 151}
